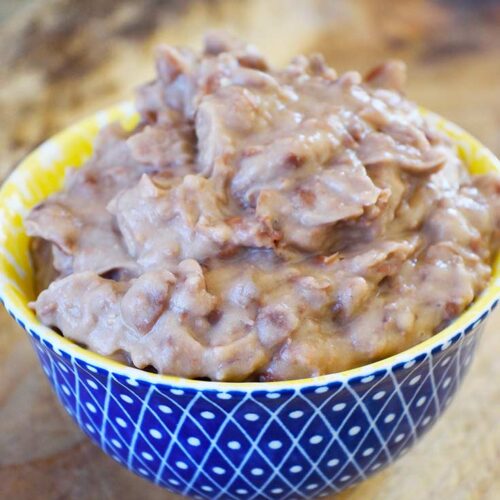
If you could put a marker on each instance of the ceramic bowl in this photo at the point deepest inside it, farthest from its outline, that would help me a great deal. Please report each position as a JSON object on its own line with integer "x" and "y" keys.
{"x": 292, "y": 440}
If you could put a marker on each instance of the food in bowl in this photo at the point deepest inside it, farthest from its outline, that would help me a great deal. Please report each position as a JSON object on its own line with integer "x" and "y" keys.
{"x": 208, "y": 439}
{"x": 263, "y": 224}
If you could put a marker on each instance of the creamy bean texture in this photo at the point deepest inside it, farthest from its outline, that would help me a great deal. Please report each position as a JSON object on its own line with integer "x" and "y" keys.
{"x": 264, "y": 224}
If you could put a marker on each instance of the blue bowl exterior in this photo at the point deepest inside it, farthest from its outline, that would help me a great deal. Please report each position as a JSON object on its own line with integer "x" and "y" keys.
{"x": 285, "y": 443}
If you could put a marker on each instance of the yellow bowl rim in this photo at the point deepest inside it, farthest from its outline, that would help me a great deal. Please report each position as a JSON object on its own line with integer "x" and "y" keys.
{"x": 473, "y": 313}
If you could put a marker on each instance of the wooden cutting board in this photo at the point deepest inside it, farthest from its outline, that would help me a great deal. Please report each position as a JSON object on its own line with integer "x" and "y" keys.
{"x": 63, "y": 59}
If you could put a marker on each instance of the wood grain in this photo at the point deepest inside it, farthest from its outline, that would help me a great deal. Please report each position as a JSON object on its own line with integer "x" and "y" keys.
{"x": 63, "y": 59}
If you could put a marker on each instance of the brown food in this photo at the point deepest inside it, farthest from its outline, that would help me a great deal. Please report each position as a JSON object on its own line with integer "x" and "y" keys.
{"x": 265, "y": 224}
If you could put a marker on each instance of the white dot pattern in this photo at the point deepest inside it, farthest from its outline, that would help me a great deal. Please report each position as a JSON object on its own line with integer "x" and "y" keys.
{"x": 421, "y": 401}
{"x": 126, "y": 398}
{"x": 251, "y": 417}
{"x": 116, "y": 443}
{"x": 354, "y": 430}
{"x": 399, "y": 438}
{"x": 121, "y": 422}
{"x": 155, "y": 433}
{"x": 197, "y": 439}
{"x": 91, "y": 407}
{"x": 165, "y": 409}
{"x": 445, "y": 361}
{"x": 339, "y": 407}
{"x": 321, "y": 390}
{"x": 389, "y": 418}
{"x": 273, "y": 395}
{"x": 92, "y": 384}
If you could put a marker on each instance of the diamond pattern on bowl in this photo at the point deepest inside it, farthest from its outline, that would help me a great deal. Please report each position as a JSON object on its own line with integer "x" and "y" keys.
{"x": 291, "y": 443}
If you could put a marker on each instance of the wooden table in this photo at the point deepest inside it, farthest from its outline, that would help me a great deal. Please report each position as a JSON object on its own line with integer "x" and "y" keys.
{"x": 62, "y": 59}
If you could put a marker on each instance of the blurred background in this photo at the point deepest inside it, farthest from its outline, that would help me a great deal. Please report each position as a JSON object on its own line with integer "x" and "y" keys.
{"x": 63, "y": 59}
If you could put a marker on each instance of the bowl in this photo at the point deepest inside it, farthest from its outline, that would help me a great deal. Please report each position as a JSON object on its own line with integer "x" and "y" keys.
{"x": 296, "y": 439}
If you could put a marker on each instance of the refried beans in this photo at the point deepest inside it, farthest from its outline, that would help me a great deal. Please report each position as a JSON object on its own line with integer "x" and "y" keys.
{"x": 264, "y": 224}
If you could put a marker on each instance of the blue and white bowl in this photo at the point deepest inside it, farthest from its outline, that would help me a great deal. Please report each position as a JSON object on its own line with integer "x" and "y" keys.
{"x": 274, "y": 440}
